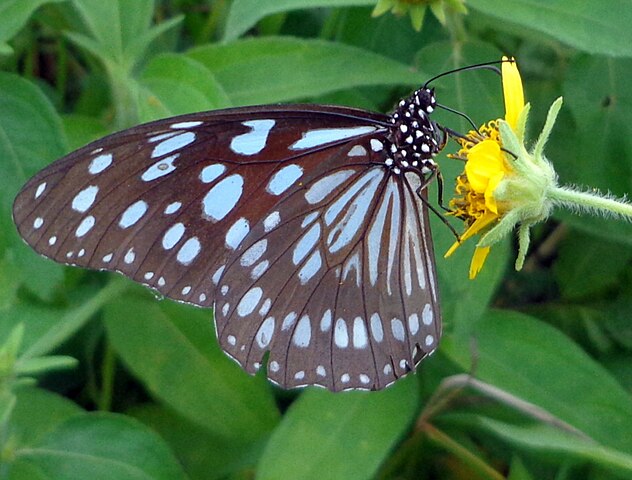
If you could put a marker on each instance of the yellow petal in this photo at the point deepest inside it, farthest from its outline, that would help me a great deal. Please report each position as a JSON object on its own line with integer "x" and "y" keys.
{"x": 512, "y": 90}
{"x": 478, "y": 260}
{"x": 484, "y": 161}
{"x": 478, "y": 225}
{"x": 490, "y": 198}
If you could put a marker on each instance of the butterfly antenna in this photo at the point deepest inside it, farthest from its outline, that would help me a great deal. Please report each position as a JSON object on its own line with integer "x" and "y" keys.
{"x": 478, "y": 66}
{"x": 460, "y": 114}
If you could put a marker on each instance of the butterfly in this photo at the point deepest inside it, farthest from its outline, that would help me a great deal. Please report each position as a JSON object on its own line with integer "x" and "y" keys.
{"x": 304, "y": 226}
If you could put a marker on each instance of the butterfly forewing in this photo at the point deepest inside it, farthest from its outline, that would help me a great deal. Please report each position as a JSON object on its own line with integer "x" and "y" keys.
{"x": 293, "y": 221}
{"x": 150, "y": 202}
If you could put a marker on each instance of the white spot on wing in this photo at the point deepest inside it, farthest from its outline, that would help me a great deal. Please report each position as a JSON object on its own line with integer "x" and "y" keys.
{"x": 303, "y": 332}
{"x": 265, "y": 333}
{"x": 265, "y": 307}
{"x": 133, "y": 214}
{"x": 413, "y": 323}
{"x": 172, "y": 144}
{"x": 341, "y": 336}
{"x": 38, "y": 222}
{"x": 85, "y": 226}
{"x": 357, "y": 151}
{"x": 323, "y": 187}
{"x": 322, "y": 136}
{"x": 426, "y": 315}
{"x": 252, "y": 142}
{"x": 218, "y": 274}
{"x": 325, "y": 322}
{"x": 288, "y": 321}
{"x": 376, "y": 327}
{"x": 376, "y": 145}
{"x": 172, "y": 208}
{"x": 85, "y": 198}
{"x": 271, "y": 221}
{"x": 160, "y": 168}
{"x": 173, "y": 236}
{"x": 223, "y": 197}
{"x": 249, "y": 301}
{"x": 397, "y": 327}
{"x": 306, "y": 243}
{"x": 253, "y": 254}
{"x": 191, "y": 124}
{"x": 360, "y": 338}
{"x": 189, "y": 251}
{"x": 309, "y": 219}
{"x": 211, "y": 172}
{"x": 237, "y": 232}
{"x": 284, "y": 179}
{"x": 311, "y": 268}
{"x": 259, "y": 269}
{"x": 100, "y": 163}
{"x": 130, "y": 256}
{"x": 40, "y": 189}
{"x": 376, "y": 230}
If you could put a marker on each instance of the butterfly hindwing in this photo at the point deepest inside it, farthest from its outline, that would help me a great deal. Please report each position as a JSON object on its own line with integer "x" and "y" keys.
{"x": 337, "y": 288}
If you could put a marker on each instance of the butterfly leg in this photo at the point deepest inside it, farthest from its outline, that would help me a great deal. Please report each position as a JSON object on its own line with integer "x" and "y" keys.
{"x": 435, "y": 173}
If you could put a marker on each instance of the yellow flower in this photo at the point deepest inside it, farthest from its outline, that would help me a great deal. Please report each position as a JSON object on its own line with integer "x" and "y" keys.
{"x": 485, "y": 168}
{"x": 417, "y": 9}
{"x": 505, "y": 186}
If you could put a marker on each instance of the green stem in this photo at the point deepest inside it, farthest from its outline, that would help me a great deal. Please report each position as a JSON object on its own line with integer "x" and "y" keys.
{"x": 590, "y": 202}
{"x": 74, "y": 320}
{"x": 462, "y": 453}
{"x": 108, "y": 371}
{"x": 124, "y": 96}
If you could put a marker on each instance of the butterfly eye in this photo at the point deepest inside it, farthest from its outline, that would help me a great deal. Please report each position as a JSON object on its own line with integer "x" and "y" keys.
{"x": 301, "y": 225}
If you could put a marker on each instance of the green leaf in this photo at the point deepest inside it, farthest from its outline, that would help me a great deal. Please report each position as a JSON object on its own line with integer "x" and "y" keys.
{"x": 244, "y": 14}
{"x": 598, "y": 153}
{"x": 31, "y": 135}
{"x": 83, "y": 129}
{"x": 25, "y": 110}
{"x": 344, "y": 435}
{"x": 112, "y": 26}
{"x": 280, "y": 69}
{"x": 14, "y": 15}
{"x": 535, "y": 362}
{"x": 49, "y": 328}
{"x": 37, "y": 413}
{"x": 175, "y": 84}
{"x": 36, "y": 366}
{"x": 590, "y": 25}
{"x": 553, "y": 444}
{"x": 587, "y": 265}
{"x": 204, "y": 456}
{"x": 173, "y": 351}
{"x": 102, "y": 445}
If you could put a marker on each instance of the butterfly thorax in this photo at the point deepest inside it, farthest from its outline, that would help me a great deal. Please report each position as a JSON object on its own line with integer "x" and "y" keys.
{"x": 414, "y": 138}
